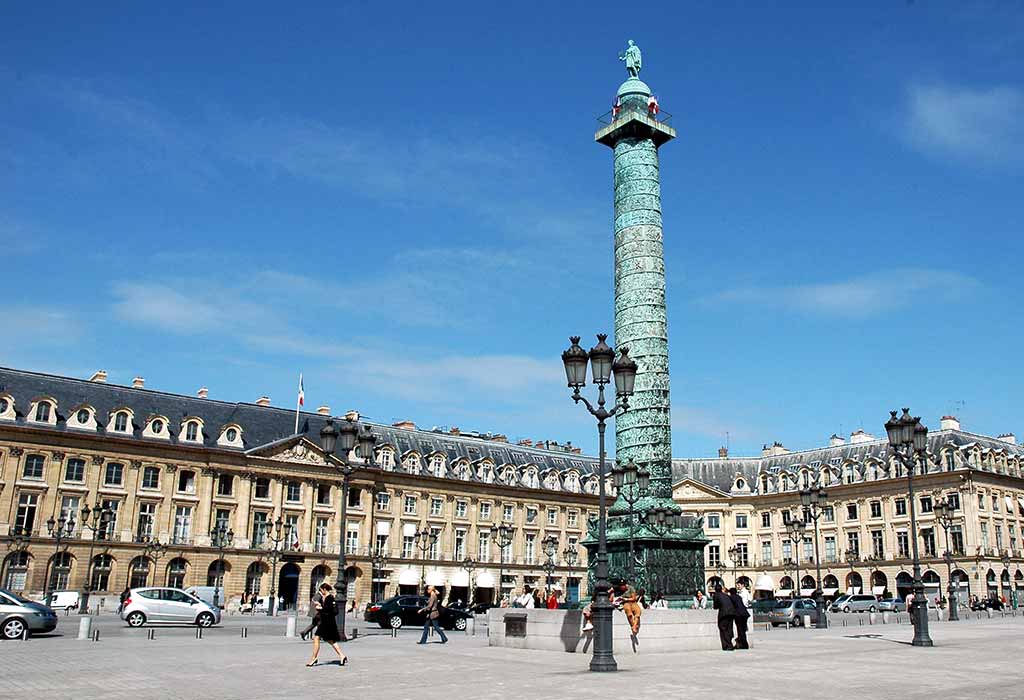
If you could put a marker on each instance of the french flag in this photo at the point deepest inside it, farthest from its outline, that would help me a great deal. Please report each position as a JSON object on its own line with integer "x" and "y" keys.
{"x": 302, "y": 393}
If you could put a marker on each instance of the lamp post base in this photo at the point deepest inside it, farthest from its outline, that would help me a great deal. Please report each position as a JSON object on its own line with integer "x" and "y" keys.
{"x": 822, "y": 615}
{"x": 920, "y": 618}
{"x": 603, "y": 659}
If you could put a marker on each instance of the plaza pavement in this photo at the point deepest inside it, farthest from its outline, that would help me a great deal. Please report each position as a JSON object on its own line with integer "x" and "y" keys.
{"x": 973, "y": 658}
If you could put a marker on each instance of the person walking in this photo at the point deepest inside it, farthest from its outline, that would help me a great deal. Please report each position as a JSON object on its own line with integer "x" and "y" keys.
{"x": 327, "y": 627}
{"x": 726, "y": 613}
{"x": 314, "y": 613}
{"x": 742, "y": 615}
{"x": 433, "y": 612}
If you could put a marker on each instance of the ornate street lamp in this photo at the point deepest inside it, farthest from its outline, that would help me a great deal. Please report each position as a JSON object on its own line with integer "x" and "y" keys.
{"x": 603, "y": 364}
{"x": 734, "y": 553}
{"x": 344, "y": 439}
{"x": 378, "y": 563}
{"x": 505, "y": 535}
{"x": 632, "y": 486}
{"x": 154, "y": 549}
{"x": 59, "y": 529}
{"x": 814, "y": 500}
{"x": 908, "y": 441}
{"x": 280, "y": 533}
{"x": 97, "y": 520}
{"x": 549, "y": 546}
{"x": 796, "y": 528}
{"x": 221, "y": 537}
{"x": 425, "y": 539}
{"x": 571, "y": 556}
{"x": 469, "y": 566}
{"x": 946, "y": 514}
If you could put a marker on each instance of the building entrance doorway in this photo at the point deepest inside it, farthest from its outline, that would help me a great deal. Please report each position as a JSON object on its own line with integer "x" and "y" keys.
{"x": 288, "y": 586}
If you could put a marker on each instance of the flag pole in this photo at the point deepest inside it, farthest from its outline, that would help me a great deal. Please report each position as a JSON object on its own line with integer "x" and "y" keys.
{"x": 298, "y": 404}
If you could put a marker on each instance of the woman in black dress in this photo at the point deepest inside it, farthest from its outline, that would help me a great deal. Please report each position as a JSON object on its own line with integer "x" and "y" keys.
{"x": 327, "y": 630}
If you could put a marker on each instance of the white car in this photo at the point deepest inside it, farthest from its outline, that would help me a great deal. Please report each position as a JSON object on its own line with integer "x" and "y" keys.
{"x": 167, "y": 605}
{"x": 65, "y": 600}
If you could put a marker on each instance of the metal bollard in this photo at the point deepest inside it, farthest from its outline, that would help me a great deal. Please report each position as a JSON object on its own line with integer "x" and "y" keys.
{"x": 245, "y": 632}
{"x": 394, "y": 633}
{"x": 95, "y": 635}
{"x": 84, "y": 627}
{"x": 199, "y": 632}
{"x": 24, "y": 634}
{"x": 355, "y": 633}
{"x": 860, "y": 620}
{"x": 151, "y": 634}
{"x": 290, "y": 627}
{"x": 871, "y": 618}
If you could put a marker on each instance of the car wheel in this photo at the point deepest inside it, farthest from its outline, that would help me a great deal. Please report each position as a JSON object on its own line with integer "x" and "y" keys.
{"x": 846, "y": 609}
{"x": 460, "y": 624}
{"x": 395, "y": 622}
{"x": 871, "y": 609}
{"x": 136, "y": 619}
{"x": 205, "y": 619}
{"x": 14, "y": 628}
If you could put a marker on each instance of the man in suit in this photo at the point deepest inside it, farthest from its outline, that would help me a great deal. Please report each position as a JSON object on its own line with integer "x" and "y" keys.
{"x": 742, "y": 615}
{"x": 726, "y": 614}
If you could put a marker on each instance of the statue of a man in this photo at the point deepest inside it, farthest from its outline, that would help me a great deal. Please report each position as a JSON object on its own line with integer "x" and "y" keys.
{"x": 633, "y": 59}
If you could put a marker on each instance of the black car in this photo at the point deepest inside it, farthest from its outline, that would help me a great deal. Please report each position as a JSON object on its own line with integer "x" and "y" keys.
{"x": 403, "y": 610}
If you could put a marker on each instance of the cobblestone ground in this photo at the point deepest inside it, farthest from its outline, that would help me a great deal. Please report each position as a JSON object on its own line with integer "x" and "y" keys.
{"x": 973, "y": 658}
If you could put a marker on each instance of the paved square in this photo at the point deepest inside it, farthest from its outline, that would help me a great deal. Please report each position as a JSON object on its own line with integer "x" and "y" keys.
{"x": 973, "y": 658}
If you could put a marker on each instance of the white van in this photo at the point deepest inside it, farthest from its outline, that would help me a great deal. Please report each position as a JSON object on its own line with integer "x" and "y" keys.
{"x": 207, "y": 593}
{"x": 65, "y": 600}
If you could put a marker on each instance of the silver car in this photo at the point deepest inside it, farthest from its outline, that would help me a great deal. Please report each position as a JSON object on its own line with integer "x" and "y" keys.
{"x": 861, "y": 602}
{"x": 19, "y": 615}
{"x": 892, "y": 605}
{"x": 167, "y": 605}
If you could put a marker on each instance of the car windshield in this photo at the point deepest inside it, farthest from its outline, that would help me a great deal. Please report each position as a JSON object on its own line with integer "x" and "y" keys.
{"x": 782, "y": 604}
{"x": 15, "y": 596}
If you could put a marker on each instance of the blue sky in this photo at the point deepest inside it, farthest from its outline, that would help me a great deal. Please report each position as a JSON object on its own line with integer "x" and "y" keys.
{"x": 407, "y": 206}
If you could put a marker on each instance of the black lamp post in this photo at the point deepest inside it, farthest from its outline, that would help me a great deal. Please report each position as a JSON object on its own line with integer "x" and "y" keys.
{"x": 908, "y": 440}
{"x": 60, "y": 529}
{"x": 505, "y": 535}
{"x": 550, "y": 547}
{"x": 425, "y": 539}
{"x": 153, "y": 550}
{"x": 97, "y": 520}
{"x": 734, "y": 553}
{"x": 946, "y": 514}
{"x": 814, "y": 500}
{"x": 603, "y": 364}
{"x": 221, "y": 537}
{"x": 571, "y": 557}
{"x": 631, "y": 484}
{"x": 17, "y": 542}
{"x": 280, "y": 533}
{"x": 344, "y": 438}
{"x": 469, "y": 565}
{"x": 378, "y": 563}
{"x": 796, "y": 529}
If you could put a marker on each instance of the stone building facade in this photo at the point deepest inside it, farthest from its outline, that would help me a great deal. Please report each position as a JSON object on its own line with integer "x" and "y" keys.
{"x": 864, "y": 531}
{"x": 173, "y": 467}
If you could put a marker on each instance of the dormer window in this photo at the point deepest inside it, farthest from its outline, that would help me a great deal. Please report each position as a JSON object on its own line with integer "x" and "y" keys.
{"x": 386, "y": 459}
{"x": 5, "y": 405}
{"x": 191, "y": 431}
{"x": 437, "y": 465}
{"x": 230, "y": 436}
{"x": 121, "y": 422}
{"x": 82, "y": 416}
{"x": 43, "y": 412}
{"x": 158, "y": 427}
{"x": 740, "y": 484}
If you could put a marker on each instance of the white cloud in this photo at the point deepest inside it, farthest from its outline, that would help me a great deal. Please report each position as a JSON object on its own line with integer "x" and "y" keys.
{"x": 166, "y": 308}
{"x": 983, "y": 125}
{"x": 859, "y": 297}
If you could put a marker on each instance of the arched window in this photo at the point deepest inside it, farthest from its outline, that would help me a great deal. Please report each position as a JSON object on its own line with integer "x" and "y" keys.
{"x": 412, "y": 463}
{"x": 192, "y": 431}
{"x": 6, "y": 407}
{"x": 101, "y": 567}
{"x": 592, "y": 485}
{"x": 461, "y": 470}
{"x": 60, "y": 570}
{"x": 485, "y": 473}
{"x": 215, "y": 573}
{"x": 437, "y": 465}
{"x": 531, "y": 478}
{"x": 253, "y": 577}
{"x": 138, "y": 572}
{"x": 16, "y": 571}
{"x": 121, "y": 421}
{"x": 552, "y": 482}
{"x": 572, "y": 482}
{"x": 386, "y": 459}
{"x": 316, "y": 577}
{"x": 176, "y": 571}
{"x": 43, "y": 409}
{"x": 508, "y": 475}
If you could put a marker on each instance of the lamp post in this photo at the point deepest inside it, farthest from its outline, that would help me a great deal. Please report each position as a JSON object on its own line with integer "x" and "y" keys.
{"x": 814, "y": 500}
{"x": 469, "y": 565}
{"x": 60, "y": 529}
{"x": 946, "y": 514}
{"x": 97, "y": 520}
{"x": 734, "y": 553}
{"x": 603, "y": 365}
{"x": 17, "y": 542}
{"x": 571, "y": 556}
{"x": 631, "y": 484}
{"x": 154, "y": 549}
{"x": 221, "y": 537}
{"x": 503, "y": 539}
{"x": 425, "y": 539}
{"x": 908, "y": 440}
{"x": 550, "y": 547}
{"x": 796, "y": 529}
{"x": 345, "y": 439}
{"x": 378, "y": 563}
{"x": 280, "y": 533}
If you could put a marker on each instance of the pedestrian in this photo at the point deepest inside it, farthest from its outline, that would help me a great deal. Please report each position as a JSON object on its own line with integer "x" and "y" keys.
{"x": 743, "y": 593}
{"x": 125, "y": 594}
{"x": 660, "y": 602}
{"x": 588, "y": 615}
{"x": 726, "y": 613}
{"x": 742, "y": 615}
{"x": 327, "y": 627}
{"x": 552, "y": 603}
{"x": 630, "y": 600}
{"x": 354, "y": 605}
{"x": 539, "y": 599}
{"x": 314, "y": 614}
{"x": 504, "y": 601}
{"x": 642, "y": 598}
{"x": 700, "y": 601}
{"x": 433, "y": 612}
{"x": 525, "y": 600}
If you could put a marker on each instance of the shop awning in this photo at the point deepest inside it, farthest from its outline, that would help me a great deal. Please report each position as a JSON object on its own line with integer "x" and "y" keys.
{"x": 485, "y": 579}
{"x": 383, "y": 527}
{"x": 460, "y": 578}
{"x": 829, "y": 591}
{"x": 409, "y": 577}
{"x": 409, "y": 530}
{"x": 764, "y": 583}
{"x": 878, "y": 590}
{"x": 853, "y": 590}
{"x": 435, "y": 578}
{"x": 806, "y": 592}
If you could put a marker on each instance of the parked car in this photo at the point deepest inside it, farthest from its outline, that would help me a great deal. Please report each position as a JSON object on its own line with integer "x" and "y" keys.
{"x": 861, "y": 602}
{"x": 895, "y": 605}
{"x": 65, "y": 600}
{"x": 792, "y": 611}
{"x": 207, "y": 594}
{"x": 19, "y": 614}
{"x": 146, "y": 605}
{"x": 762, "y": 609}
{"x": 401, "y": 610}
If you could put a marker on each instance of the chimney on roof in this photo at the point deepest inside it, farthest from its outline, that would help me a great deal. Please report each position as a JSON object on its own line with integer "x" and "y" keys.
{"x": 859, "y": 436}
{"x": 499, "y": 437}
{"x": 949, "y": 423}
{"x": 577, "y": 450}
{"x": 836, "y": 441}
{"x": 404, "y": 425}
{"x": 203, "y": 392}
{"x": 455, "y": 430}
{"x": 525, "y": 442}
{"x": 263, "y": 401}
{"x": 1008, "y": 437}
{"x": 774, "y": 449}
{"x": 324, "y": 411}
{"x": 352, "y": 414}
{"x": 99, "y": 376}
{"x": 138, "y": 383}
{"x": 723, "y": 452}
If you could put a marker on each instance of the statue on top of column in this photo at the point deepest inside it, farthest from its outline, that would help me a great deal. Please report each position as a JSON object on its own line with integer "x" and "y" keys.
{"x": 633, "y": 59}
